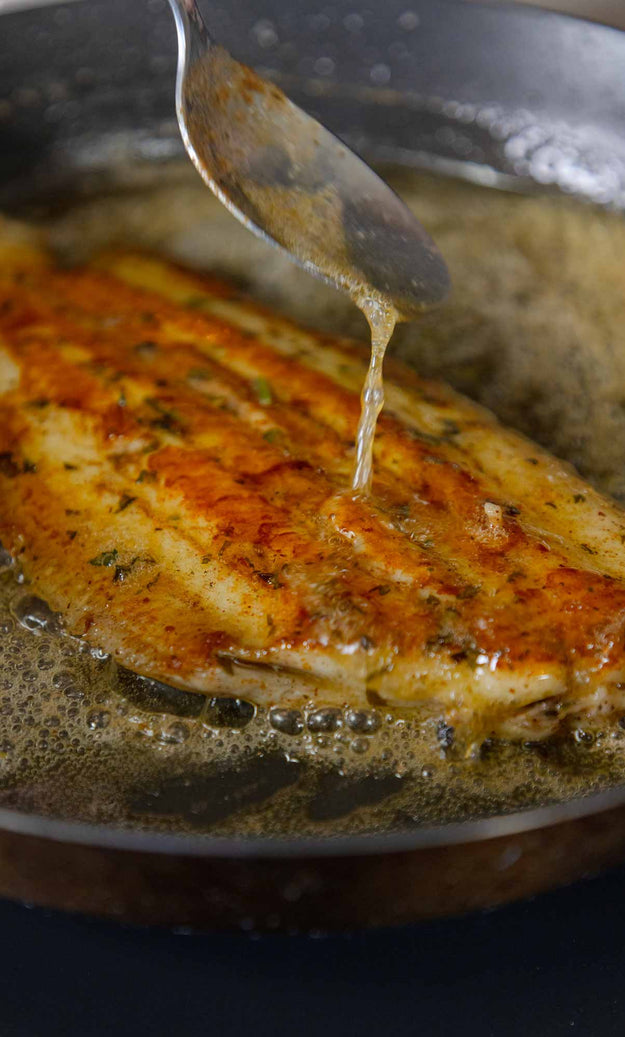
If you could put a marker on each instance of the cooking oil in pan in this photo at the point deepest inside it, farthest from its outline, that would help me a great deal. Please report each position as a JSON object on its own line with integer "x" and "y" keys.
{"x": 85, "y": 740}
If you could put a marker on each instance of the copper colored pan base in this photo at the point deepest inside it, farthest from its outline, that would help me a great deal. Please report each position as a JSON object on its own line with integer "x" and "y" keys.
{"x": 303, "y": 895}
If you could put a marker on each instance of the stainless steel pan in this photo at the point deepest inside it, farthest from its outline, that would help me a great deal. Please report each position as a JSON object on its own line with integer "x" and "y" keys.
{"x": 256, "y": 831}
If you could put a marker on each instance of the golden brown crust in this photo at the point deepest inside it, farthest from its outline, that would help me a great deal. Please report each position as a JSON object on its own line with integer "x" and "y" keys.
{"x": 174, "y": 474}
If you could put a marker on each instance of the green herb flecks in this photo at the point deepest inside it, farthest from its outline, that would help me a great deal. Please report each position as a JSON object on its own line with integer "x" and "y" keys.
{"x": 168, "y": 419}
{"x": 146, "y": 349}
{"x": 269, "y": 578}
{"x": 263, "y": 392}
{"x": 468, "y": 592}
{"x": 199, "y": 374}
{"x": 8, "y": 465}
{"x": 106, "y": 559}
{"x": 124, "y": 503}
{"x": 197, "y": 302}
{"x": 425, "y": 437}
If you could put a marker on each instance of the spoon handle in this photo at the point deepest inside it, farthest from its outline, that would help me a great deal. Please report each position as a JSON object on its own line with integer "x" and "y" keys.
{"x": 193, "y": 36}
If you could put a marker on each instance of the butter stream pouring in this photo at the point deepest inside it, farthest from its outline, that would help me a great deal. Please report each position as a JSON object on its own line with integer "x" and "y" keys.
{"x": 382, "y": 318}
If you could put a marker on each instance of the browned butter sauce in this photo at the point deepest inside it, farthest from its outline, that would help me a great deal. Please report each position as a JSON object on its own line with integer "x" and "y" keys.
{"x": 382, "y": 318}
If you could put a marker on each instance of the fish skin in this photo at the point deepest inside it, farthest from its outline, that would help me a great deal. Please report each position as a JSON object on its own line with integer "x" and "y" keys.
{"x": 175, "y": 469}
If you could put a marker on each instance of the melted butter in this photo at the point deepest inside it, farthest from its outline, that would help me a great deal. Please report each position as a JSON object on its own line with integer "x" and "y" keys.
{"x": 382, "y": 318}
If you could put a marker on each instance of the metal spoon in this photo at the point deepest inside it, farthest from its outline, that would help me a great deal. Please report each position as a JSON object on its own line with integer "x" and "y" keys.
{"x": 294, "y": 183}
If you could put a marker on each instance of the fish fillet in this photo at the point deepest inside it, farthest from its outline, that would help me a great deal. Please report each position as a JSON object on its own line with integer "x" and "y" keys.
{"x": 175, "y": 469}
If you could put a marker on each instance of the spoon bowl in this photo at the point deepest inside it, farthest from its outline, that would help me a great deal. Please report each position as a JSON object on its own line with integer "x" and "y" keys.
{"x": 294, "y": 183}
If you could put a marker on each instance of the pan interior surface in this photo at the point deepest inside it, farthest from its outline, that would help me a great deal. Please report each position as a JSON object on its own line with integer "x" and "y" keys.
{"x": 534, "y": 331}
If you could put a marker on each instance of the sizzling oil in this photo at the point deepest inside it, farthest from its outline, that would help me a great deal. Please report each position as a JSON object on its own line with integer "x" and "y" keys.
{"x": 82, "y": 739}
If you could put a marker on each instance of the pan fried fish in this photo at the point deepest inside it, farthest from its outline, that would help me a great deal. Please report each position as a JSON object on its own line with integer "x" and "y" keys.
{"x": 175, "y": 472}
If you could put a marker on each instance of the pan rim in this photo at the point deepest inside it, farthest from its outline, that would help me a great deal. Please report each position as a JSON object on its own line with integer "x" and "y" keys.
{"x": 361, "y": 844}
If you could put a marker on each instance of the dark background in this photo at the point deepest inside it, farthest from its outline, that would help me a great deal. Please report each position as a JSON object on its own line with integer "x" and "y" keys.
{"x": 555, "y": 965}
